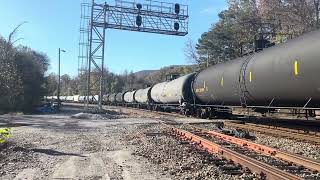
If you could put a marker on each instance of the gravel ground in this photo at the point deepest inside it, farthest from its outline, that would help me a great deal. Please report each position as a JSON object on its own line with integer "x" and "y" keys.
{"x": 55, "y": 147}
{"x": 287, "y": 145}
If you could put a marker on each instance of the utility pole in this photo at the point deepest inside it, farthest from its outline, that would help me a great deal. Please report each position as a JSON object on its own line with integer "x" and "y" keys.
{"x": 59, "y": 101}
{"x": 208, "y": 57}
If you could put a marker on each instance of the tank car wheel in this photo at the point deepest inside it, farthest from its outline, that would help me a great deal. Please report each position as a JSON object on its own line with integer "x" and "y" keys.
{"x": 198, "y": 113}
{"x": 204, "y": 114}
{"x": 187, "y": 112}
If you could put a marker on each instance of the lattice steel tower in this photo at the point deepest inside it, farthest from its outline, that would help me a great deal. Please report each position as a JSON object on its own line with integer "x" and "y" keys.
{"x": 145, "y": 16}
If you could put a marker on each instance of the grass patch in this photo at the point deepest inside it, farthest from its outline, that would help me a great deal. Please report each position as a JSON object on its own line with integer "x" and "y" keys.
{"x": 5, "y": 133}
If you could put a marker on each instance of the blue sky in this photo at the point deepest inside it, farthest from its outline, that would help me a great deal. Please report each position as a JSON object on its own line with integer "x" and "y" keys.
{"x": 55, "y": 23}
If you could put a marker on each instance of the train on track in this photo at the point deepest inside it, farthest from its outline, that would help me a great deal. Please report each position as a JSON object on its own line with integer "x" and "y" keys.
{"x": 284, "y": 76}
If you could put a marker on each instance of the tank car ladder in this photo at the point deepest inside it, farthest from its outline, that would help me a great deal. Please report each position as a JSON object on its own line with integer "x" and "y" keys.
{"x": 243, "y": 92}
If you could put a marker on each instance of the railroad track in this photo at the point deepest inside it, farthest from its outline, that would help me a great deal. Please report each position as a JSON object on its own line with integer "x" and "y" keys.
{"x": 302, "y": 135}
{"x": 269, "y": 163}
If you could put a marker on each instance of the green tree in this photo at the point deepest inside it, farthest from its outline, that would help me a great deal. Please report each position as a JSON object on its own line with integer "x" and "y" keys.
{"x": 293, "y": 17}
{"x": 51, "y": 84}
{"x": 21, "y": 75}
{"x": 10, "y": 81}
{"x": 235, "y": 32}
{"x": 31, "y": 68}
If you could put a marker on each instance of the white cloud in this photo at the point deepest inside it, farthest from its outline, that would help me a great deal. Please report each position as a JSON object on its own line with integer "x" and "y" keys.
{"x": 213, "y": 10}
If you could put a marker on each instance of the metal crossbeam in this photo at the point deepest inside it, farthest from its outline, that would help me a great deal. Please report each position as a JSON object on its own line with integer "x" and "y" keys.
{"x": 148, "y": 16}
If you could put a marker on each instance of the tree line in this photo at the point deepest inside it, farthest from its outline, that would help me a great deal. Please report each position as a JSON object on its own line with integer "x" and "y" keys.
{"x": 22, "y": 75}
{"x": 113, "y": 83}
{"x": 246, "y": 21}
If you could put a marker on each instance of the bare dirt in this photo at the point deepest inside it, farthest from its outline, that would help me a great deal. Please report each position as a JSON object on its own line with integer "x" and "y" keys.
{"x": 61, "y": 147}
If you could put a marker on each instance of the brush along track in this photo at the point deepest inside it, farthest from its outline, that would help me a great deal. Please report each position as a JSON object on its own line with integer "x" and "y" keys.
{"x": 266, "y": 165}
{"x": 312, "y": 137}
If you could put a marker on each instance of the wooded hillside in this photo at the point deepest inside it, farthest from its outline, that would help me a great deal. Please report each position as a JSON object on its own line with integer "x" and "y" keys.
{"x": 116, "y": 83}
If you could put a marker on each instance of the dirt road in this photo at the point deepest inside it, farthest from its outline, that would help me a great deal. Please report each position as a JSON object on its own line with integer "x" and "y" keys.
{"x": 60, "y": 147}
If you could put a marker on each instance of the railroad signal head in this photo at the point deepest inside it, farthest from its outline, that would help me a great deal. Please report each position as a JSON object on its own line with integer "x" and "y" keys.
{"x": 139, "y": 6}
{"x": 176, "y": 26}
{"x": 177, "y": 8}
{"x": 139, "y": 20}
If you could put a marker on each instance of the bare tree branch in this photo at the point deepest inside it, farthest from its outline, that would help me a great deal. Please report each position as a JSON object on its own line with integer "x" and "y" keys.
{"x": 191, "y": 52}
{"x": 14, "y": 32}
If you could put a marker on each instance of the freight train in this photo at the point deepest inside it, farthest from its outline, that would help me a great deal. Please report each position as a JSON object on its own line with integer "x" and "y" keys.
{"x": 284, "y": 76}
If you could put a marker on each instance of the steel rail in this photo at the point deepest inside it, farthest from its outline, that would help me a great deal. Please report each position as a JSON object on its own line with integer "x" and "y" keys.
{"x": 300, "y": 131}
{"x": 268, "y": 171}
{"x": 283, "y": 132}
{"x": 296, "y": 159}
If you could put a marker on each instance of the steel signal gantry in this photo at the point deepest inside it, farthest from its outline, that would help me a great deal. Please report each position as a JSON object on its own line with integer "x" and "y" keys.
{"x": 147, "y": 16}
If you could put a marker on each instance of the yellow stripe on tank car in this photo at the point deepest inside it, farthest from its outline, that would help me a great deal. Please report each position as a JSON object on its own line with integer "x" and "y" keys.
{"x": 296, "y": 68}
{"x": 222, "y": 82}
{"x": 250, "y": 76}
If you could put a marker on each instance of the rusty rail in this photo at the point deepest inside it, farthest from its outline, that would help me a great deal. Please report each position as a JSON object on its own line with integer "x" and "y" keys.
{"x": 303, "y": 161}
{"x": 270, "y": 172}
{"x": 283, "y": 132}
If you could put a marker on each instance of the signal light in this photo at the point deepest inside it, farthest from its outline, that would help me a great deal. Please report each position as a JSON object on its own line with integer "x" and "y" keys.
{"x": 139, "y": 6}
{"x": 176, "y": 26}
{"x": 139, "y": 20}
{"x": 177, "y": 8}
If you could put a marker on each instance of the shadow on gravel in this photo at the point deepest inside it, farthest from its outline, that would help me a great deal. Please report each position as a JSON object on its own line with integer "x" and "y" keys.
{"x": 10, "y": 125}
{"x": 44, "y": 151}
{"x": 61, "y": 124}
{"x": 55, "y": 153}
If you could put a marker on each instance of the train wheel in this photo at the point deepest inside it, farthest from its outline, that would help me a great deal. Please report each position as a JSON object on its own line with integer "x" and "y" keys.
{"x": 204, "y": 114}
{"x": 186, "y": 112}
{"x": 181, "y": 111}
{"x": 198, "y": 113}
